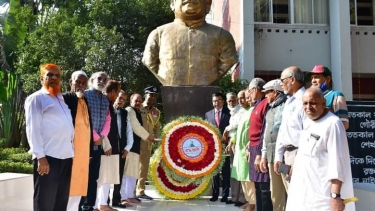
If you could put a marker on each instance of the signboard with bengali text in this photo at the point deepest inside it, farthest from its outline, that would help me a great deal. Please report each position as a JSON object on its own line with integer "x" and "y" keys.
{"x": 361, "y": 140}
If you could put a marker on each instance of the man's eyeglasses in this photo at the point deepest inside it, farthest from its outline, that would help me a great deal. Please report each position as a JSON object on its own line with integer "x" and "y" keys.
{"x": 105, "y": 80}
{"x": 283, "y": 79}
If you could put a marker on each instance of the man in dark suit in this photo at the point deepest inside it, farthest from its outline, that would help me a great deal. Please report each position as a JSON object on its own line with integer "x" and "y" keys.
{"x": 220, "y": 116}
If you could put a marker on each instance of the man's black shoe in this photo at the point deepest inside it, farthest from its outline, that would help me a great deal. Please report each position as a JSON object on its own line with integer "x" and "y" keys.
{"x": 214, "y": 198}
{"x": 238, "y": 204}
{"x": 224, "y": 199}
{"x": 230, "y": 202}
{"x": 144, "y": 196}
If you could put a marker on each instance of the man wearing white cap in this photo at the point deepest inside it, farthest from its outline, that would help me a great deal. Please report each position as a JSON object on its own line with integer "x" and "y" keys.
{"x": 82, "y": 141}
{"x": 276, "y": 101}
{"x": 261, "y": 180}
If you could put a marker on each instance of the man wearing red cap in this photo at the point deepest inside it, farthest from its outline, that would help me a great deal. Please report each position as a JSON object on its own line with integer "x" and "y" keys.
{"x": 321, "y": 77}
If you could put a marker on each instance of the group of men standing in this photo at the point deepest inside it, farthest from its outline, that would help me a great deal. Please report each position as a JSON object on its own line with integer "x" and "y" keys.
{"x": 288, "y": 144}
{"x": 84, "y": 140}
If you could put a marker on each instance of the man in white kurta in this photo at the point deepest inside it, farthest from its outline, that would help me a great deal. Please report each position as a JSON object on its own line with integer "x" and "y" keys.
{"x": 321, "y": 172}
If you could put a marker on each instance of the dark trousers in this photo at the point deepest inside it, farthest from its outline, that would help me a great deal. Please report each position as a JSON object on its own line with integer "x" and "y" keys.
{"x": 225, "y": 172}
{"x": 51, "y": 191}
{"x": 263, "y": 196}
{"x": 87, "y": 203}
{"x": 116, "y": 196}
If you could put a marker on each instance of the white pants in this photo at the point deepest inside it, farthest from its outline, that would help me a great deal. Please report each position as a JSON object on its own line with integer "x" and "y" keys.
{"x": 73, "y": 203}
{"x": 102, "y": 195}
{"x": 127, "y": 187}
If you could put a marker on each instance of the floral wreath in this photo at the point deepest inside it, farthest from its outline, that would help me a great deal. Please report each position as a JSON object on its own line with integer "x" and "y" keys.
{"x": 172, "y": 188}
{"x": 192, "y": 147}
{"x": 189, "y": 155}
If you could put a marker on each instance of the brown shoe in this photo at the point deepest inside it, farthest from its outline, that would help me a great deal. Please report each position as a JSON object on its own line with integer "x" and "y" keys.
{"x": 134, "y": 200}
{"x": 244, "y": 206}
{"x": 251, "y": 207}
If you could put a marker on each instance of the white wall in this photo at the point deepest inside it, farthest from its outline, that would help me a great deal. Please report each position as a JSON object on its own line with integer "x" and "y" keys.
{"x": 363, "y": 49}
{"x": 278, "y": 50}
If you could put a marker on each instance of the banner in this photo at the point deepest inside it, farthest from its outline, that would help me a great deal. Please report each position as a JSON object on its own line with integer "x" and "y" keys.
{"x": 362, "y": 141}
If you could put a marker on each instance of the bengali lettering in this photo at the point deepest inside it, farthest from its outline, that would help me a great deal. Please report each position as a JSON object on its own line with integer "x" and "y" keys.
{"x": 369, "y": 171}
{"x": 360, "y": 134}
{"x": 368, "y": 144}
{"x": 370, "y": 160}
{"x": 359, "y": 114}
{"x": 370, "y": 180}
{"x": 368, "y": 124}
{"x": 356, "y": 161}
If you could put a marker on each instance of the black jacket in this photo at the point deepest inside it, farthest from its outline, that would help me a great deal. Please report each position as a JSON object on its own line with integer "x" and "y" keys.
{"x": 118, "y": 144}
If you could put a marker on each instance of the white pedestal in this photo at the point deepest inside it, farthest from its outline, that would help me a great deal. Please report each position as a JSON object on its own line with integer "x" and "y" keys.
{"x": 16, "y": 191}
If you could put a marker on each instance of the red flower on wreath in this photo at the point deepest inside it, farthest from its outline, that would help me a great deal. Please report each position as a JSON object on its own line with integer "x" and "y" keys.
{"x": 193, "y": 147}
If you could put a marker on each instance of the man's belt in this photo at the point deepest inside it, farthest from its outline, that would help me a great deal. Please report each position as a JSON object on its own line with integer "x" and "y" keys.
{"x": 290, "y": 147}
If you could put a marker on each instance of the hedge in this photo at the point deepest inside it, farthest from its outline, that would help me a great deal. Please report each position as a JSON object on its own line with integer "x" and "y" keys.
{"x": 15, "y": 160}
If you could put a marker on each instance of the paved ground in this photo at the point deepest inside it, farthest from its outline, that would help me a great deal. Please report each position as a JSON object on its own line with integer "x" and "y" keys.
{"x": 16, "y": 195}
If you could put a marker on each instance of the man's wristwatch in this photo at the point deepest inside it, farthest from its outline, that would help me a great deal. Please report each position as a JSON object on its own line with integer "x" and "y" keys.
{"x": 335, "y": 195}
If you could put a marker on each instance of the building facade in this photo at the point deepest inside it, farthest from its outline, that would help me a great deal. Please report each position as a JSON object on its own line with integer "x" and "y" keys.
{"x": 271, "y": 35}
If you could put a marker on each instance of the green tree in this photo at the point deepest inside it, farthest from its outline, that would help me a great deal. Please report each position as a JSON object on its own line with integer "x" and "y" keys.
{"x": 13, "y": 32}
{"x": 106, "y": 35}
{"x": 11, "y": 111}
{"x": 227, "y": 85}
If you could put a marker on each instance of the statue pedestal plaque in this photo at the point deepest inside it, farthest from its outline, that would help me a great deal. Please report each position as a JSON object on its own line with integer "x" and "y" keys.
{"x": 187, "y": 100}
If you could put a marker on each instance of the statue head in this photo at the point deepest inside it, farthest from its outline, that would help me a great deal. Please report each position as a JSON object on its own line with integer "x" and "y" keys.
{"x": 190, "y": 9}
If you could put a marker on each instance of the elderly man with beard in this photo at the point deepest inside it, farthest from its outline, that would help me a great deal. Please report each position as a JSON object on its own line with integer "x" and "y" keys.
{"x": 82, "y": 143}
{"x": 50, "y": 133}
{"x": 276, "y": 101}
{"x": 101, "y": 119}
{"x": 238, "y": 198}
{"x": 109, "y": 164}
{"x": 322, "y": 173}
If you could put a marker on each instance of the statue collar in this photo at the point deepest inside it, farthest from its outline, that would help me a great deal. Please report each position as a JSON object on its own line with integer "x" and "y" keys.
{"x": 193, "y": 24}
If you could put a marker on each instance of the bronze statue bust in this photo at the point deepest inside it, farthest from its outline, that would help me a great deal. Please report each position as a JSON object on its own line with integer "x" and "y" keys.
{"x": 189, "y": 51}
